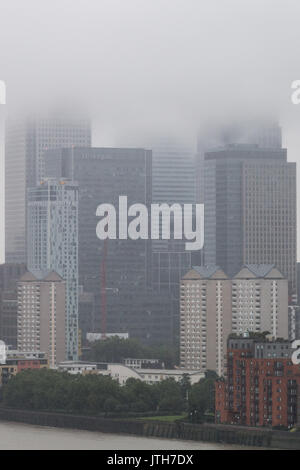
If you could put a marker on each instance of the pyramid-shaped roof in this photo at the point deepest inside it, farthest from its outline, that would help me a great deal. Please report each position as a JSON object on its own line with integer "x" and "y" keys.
{"x": 260, "y": 271}
{"x": 206, "y": 272}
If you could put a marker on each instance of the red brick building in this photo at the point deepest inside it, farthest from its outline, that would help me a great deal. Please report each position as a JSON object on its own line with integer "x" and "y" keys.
{"x": 262, "y": 385}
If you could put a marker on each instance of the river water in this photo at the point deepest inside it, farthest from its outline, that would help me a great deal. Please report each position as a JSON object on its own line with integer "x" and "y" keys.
{"x": 17, "y": 436}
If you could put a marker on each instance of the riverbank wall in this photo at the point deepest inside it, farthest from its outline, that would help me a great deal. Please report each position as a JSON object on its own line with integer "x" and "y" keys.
{"x": 236, "y": 435}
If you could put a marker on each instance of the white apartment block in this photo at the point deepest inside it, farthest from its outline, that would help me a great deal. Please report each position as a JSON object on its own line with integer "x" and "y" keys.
{"x": 260, "y": 301}
{"x": 205, "y": 318}
{"x": 42, "y": 315}
{"x": 212, "y": 306}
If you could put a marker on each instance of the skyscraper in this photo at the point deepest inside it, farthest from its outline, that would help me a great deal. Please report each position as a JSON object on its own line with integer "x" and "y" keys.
{"x": 53, "y": 244}
{"x": 26, "y": 142}
{"x": 103, "y": 174}
{"x": 263, "y": 134}
{"x": 250, "y": 209}
{"x": 173, "y": 182}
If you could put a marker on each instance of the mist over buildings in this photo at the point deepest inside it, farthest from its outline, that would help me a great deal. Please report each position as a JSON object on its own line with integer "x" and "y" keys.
{"x": 145, "y": 70}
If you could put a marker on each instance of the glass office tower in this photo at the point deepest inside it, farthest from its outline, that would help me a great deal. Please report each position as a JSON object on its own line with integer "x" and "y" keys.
{"x": 53, "y": 244}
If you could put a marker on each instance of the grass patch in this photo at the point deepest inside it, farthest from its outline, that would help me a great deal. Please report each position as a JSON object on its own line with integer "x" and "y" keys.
{"x": 169, "y": 419}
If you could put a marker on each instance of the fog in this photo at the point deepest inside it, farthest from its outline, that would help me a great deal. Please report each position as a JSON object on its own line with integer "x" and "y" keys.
{"x": 145, "y": 69}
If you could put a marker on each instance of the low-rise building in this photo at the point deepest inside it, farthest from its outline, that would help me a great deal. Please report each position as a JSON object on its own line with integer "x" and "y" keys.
{"x": 17, "y": 361}
{"x": 143, "y": 363}
{"x": 122, "y": 373}
{"x": 262, "y": 385}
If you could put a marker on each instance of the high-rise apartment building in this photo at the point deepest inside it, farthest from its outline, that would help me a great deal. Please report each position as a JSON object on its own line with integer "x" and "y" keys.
{"x": 262, "y": 387}
{"x": 53, "y": 244}
{"x": 260, "y": 301}
{"x": 213, "y": 305}
{"x": 250, "y": 209}
{"x": 26, "y": 142}
{"x": 205, "y": 318}
{"x": 42, "y": 316}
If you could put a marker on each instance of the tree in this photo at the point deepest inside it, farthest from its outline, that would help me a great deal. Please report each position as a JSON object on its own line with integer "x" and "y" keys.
{"x": 116, "y": 349}
{"x": 185, "y": 386}
{"x": 170, "y": 396}
{"x": 202, "y": 396}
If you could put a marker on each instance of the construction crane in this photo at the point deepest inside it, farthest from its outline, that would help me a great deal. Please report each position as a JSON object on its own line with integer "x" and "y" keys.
{"x": 103, "y": 289}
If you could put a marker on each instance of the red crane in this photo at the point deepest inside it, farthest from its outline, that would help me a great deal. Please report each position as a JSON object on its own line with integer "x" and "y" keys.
{"x": 103, "y": 289}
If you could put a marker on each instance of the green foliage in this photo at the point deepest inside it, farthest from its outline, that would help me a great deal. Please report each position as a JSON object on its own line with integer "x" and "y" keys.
{"x": 116, "y": 349}
{"x": 202, "y": 396}
{"x": 259, "y": 335}
{"x": 49, "y": 390}
{"x": 89, "y": 394}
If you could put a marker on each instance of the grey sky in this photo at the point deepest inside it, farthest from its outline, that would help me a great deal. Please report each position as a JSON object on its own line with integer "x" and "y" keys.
{"x": 145, "y": 68}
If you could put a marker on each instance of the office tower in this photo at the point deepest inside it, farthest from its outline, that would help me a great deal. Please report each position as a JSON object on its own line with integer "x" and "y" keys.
{"x": 262, "y": 134}
{"x": 2, "y": 171}
{"x": 260, "y": 301}
{"x": 266, "y": 136}
{"x": 104, "y": 174}
{"x": 250, "y": 209}
{"x": 53, "y": 243}
{"x": 205, "y": 318}
{"x": 26, "y": 142}
{"x": 9, "y": 276}
{"x": 10, "y": 273}
{"x": 42, "y": 315}
{"x": 147, "y": 315}
{"x": 8, "y": 318}
{"x": 262, "y": 386}
{"x": 173, "y": 182}
{"x": 86, "y": 314}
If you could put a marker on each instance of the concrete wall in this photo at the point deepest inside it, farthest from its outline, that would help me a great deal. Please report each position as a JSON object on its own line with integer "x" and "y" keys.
{"x": 237, "y": 435}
